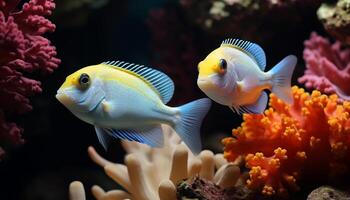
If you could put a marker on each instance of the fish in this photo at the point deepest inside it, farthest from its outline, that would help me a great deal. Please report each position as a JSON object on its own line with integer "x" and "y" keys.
{"x": 128, "y": 101}
{"x": 233, "y": 75}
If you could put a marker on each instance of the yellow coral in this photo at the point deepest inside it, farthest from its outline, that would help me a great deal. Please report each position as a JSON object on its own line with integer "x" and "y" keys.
{"x": 311, "y": 137}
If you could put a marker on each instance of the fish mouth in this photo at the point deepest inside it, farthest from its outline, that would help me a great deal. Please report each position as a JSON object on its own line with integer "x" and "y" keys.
{"x": 64, "y": 98}
{"x": 204, "y": 82}
{"x": 82, "y": 103}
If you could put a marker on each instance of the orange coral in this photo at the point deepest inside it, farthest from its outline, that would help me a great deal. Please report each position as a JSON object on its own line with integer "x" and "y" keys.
{"x": 307, "y": 139}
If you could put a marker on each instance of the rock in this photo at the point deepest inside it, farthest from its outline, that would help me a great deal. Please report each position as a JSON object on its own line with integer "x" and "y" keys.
{"x": 336, "y": 19}
{"x": 201, "y": 189}
{"x": 328, "y": 193}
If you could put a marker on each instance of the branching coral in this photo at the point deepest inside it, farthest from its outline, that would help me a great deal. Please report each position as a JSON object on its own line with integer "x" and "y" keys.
{"x": 307, "y": 140}
{"x": 22, "y": 50}
{"x": 153, "y": 173}
{"x": 336, "y": 19}
{"x": 327, "y": 67}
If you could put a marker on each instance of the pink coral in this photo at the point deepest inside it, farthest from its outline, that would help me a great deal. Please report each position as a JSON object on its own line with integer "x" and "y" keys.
{"x": 22, "y": 50}
{"x": 328, "y": 66}
{"x": 307, "y": 140}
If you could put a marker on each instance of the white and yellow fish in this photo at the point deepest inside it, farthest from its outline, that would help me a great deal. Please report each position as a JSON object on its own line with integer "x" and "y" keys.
{"x": 233, "y": 75}
{"x": 127, "y": 101}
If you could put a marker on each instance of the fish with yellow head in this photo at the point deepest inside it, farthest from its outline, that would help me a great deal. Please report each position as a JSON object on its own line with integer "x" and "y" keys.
{"x": 233, "y": 75}
{"x": 128, "y": 101}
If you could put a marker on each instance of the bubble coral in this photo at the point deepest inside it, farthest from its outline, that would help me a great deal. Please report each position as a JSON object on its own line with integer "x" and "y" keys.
{"x": 327, "y": 66}
{"x": 23, "y": 50}
{"x": 307, "y": 140}
{"x": 153, "y": 173}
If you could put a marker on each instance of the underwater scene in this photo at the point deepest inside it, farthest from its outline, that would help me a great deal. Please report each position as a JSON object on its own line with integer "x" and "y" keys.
{"x": 174, "y": 100}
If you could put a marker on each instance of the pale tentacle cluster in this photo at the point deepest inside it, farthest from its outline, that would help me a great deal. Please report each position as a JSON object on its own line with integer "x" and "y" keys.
{"x": 152, "y": 173}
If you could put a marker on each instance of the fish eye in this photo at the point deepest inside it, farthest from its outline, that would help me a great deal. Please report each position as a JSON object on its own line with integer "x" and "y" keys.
{"x": 84, "y": 81}
{"x": 223, "y": 65}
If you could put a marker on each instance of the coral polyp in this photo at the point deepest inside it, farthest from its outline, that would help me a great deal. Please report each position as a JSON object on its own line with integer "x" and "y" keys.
{"x": 307, "y": 140}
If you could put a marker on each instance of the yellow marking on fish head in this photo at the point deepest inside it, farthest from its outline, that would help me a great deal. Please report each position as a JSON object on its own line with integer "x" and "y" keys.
{"x": 73, "y": 79}
{"x": 210, "y": 65}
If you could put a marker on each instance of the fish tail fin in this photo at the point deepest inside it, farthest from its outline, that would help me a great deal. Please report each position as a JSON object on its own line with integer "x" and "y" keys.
{"x": 281, "y": 78}
{"x": 191, "y": 117}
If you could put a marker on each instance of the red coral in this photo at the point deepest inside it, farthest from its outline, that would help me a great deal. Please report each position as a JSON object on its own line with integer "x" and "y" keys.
{"x": 308, "y": 139}
{"x": 327, "y": 67}
{"x": 22, "y": 50}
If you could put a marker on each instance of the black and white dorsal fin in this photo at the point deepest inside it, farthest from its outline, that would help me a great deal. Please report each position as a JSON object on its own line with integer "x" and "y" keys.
{"x": 160, "y": 81}
{"x": 252, "y": 49}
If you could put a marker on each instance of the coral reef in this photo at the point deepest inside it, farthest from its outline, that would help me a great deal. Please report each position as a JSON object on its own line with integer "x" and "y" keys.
{"x": 336, "y": 19}
{"x": 307, "y": 140}
{"x": 23, "y": 50}
{"x": 153, "y": 173}
{"x": 327, "y": 66}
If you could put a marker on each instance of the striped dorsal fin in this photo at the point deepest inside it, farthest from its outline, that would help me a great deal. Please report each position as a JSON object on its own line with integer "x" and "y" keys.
{"x": 253, "y": 50}
{"x": 160, "y": 81}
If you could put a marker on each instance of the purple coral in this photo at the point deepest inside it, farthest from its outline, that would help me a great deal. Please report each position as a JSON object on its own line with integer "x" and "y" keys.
{"x": 22, "y": 50}
{"x": 327, "y": 66}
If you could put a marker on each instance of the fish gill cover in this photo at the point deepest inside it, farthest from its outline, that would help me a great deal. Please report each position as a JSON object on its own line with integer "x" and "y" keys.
{"x": 23, "y": 50}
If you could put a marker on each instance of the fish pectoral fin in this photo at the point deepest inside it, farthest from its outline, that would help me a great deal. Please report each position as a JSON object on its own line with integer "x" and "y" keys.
{"x": 258, "y": 107}
{"x": 106, "y": 106}
{"x": 152, "y": 136}
{"x": 235, "y": 109}
{"x": 103, "y": 137}
{"x": 240, "y": 86}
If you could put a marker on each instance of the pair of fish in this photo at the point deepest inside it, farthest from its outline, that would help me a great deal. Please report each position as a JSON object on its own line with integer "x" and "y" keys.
{"x": 128, "y": 101}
